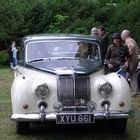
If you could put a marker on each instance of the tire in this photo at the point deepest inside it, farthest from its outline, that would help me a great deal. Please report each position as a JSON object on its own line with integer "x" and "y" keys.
{"x": 118, "y": 126}
{"x": 23, "y": 127}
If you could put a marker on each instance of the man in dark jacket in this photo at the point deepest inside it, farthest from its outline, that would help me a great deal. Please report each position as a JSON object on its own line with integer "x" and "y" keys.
{"x": 105, "y": 40}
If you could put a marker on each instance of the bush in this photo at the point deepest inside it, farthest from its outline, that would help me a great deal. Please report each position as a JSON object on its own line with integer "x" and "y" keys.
{"x": 4, "y": 58}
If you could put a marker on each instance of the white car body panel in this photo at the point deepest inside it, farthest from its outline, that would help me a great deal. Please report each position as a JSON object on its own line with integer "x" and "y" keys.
{"x": 26, "y": 81}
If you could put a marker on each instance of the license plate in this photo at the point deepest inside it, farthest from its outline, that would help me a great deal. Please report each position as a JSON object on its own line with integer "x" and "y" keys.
{"x": 74, "y": 118}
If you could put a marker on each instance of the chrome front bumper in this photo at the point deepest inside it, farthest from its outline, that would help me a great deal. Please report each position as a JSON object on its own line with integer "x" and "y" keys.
{"x": 52, "y": 116}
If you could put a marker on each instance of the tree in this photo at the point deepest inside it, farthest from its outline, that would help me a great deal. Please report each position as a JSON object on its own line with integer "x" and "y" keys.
{"x": 20, "y": 18}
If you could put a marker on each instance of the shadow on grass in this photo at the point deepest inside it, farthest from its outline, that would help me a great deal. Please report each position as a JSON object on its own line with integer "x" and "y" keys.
{"x": 97, "y": 131}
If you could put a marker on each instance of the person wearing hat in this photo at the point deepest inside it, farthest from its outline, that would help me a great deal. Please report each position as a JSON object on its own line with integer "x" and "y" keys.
{"x": 117, "y": 55}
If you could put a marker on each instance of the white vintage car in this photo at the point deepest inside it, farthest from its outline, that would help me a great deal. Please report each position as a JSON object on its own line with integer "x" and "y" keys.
{"x": 60, "y": 77}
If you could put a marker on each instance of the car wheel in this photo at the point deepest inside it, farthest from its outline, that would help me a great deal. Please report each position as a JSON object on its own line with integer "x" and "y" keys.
{"x": 23, "y": 127}
{"x": 118, "y": 126}
{"x": 138, "y": 79}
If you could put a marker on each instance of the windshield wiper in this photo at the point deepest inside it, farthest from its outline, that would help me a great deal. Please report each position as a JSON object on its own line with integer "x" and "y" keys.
{"x": 64, "y": 58}
{"x": 36, "y": 60}
{"x": 55, "y": 58}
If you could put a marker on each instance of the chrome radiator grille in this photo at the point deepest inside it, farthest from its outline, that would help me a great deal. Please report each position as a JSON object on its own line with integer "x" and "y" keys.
{"x": 73, "y": 90}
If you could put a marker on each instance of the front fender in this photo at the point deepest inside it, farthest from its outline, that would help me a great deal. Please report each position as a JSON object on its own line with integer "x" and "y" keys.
{"x": 120, "y": 92}
{"x": 23, "y": 90}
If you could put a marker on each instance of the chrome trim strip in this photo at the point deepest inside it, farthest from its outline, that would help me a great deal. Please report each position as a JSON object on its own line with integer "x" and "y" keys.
{"x": 52, "y": 116}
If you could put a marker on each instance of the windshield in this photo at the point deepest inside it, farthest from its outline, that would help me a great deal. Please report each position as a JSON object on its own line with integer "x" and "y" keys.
{"x": 66, "y": 49}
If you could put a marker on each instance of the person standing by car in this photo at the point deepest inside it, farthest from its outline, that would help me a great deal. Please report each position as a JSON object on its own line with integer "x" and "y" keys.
{"x": 105, "y": 40}
{"x": 10, "y": 56}
{"x": 133, "y": 59}
{"x": 117, "y": 54}
{"x": 14, "y": 52}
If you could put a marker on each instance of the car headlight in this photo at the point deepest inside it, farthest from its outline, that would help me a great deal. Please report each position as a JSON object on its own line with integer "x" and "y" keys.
{"x": 105, "y": 89}
{"x": 42, "y": 91}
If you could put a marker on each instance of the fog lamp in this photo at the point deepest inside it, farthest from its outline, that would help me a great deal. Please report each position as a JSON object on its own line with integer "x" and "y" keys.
{"x": 42, "y": 91}
{"x": 91, "y": 106}
{"x": 58, "y": 106}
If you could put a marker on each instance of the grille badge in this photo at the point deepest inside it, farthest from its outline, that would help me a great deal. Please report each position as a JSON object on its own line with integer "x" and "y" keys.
{"x": 79, "y": 102}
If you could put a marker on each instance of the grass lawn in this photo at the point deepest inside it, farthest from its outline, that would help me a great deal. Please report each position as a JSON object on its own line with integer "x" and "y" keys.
{"x": 7, "y": 127}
